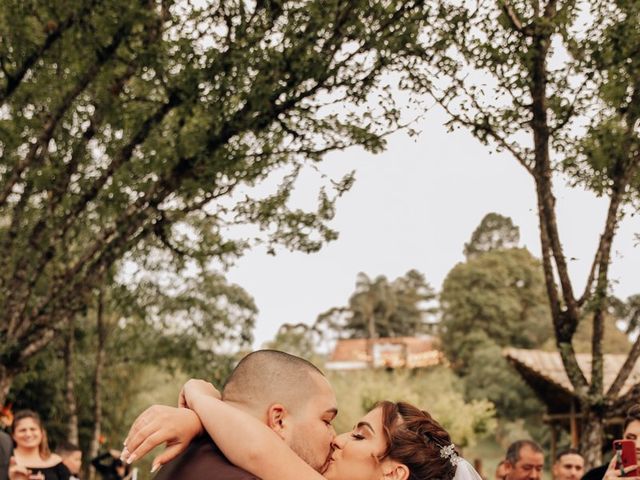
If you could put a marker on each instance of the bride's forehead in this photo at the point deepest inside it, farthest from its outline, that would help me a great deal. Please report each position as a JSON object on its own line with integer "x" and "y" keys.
{"x": 373, "y": 417}
{"x": 376, "y": 418}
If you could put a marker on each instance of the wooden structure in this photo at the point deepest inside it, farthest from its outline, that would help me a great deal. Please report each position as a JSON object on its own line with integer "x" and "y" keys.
{"x": 396, "y": 352}
{"x": 545, "y": 374}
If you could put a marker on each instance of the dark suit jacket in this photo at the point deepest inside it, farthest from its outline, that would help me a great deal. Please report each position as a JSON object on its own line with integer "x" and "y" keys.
{"x": 596, "y": 473}
{"x": 6, "y": 449}
{"x": 202, "y": 460}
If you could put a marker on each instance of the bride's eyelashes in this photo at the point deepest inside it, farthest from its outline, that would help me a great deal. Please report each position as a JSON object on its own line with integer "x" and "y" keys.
{"x": 357, "y": 436}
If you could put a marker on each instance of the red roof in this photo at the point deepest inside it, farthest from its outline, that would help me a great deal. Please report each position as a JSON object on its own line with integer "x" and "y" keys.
{"x": 393, "y": 352}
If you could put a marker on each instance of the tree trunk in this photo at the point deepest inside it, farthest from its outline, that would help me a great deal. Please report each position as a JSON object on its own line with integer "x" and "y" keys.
{"x": 70, "y": 380}
{"x": 591, "y": 438}
{"x": 6, "y": 379}
{"x": 97, "y": 382}
{"x": 566, "y": 310}
{"x": 371, "y": 326}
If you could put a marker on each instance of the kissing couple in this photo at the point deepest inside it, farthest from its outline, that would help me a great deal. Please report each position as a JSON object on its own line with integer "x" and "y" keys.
{"x": 273, "y": 421}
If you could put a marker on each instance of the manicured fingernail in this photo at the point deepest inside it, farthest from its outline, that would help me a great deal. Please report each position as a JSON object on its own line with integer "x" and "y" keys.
{"x": 123, "y": 454}
{"x": 131, "y": 459}
{"x": 155, "y": 467}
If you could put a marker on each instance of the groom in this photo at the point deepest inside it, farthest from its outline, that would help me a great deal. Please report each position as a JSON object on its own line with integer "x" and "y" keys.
{"x": 290, "y": 395}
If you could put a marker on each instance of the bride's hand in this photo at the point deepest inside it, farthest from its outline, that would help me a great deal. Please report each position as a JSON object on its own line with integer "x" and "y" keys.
{"x": 159, "y": 424}
{"x": 196, "y": 387}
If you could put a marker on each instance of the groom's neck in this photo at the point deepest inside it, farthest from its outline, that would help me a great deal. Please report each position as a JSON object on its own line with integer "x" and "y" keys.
{"x": 250, "y": 409}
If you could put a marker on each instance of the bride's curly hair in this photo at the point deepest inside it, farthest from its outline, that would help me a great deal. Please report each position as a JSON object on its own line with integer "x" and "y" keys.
{"x": 415, "y": 439}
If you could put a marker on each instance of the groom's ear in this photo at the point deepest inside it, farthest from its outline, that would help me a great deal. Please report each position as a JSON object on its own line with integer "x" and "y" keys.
{"x": 276, "y": 418}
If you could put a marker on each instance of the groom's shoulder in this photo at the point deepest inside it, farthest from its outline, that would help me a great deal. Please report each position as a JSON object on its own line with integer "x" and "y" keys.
{"x": 202, "y": 460}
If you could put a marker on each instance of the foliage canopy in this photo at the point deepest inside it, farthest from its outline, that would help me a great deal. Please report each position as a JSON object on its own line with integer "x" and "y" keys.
{"x": 135, "y": 127}
{"x": 380, "y": 308}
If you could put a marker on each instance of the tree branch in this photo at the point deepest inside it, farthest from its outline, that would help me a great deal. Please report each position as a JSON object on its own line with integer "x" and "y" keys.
{"x": 136, "y": 222}
{"x": 514, "y": 19}
{"x": 43, "y": 338}
{"x": 483, "y": 127}
{"x": 550, "y": 9}
{"x": 622, "y": 404}
{"x": 40, "y": 145}
{"x": 39, "y": 234}
{"x": 620, "y": 184}
{"x": 590, "y": 279}
{"x": 46, "y": 253}
{"x": 625, "y": 371}
{"x": 14, "y": 80}
{"x": 571, "y": 110}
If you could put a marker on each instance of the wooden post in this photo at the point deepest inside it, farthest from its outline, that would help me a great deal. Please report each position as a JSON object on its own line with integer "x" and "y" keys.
{"x": 477, "y": 464}
{"x": 575, "y": 440}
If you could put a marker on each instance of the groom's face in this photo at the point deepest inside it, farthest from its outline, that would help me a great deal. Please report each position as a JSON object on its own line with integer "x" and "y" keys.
{"x": 312, "y": 431}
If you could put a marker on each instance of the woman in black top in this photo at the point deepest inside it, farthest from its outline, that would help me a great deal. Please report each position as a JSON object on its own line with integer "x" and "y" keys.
{"x": 32, "y": 449}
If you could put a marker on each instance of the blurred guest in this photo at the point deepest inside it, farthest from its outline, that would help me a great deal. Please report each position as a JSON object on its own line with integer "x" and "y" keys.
{"x": 6, "y": 449}
{"x": 569, "y": 465}
{"x": 32, "y": 449}
{"x": 6, "y": 444}
{"x": 501, "y": 470}
{"x": 524, "y": 461}
{"x": 630, "y": 431}
{"x": 17, "y": 472}
{"x": 71, "y": 458}
{"x": 110, "y": 467}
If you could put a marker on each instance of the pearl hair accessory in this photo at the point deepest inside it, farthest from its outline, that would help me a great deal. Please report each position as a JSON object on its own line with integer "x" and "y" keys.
{"x": 448, "y": 451}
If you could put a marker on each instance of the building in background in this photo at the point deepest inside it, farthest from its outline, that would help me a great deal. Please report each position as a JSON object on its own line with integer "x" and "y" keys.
{"x": 397, "y": 352}
{"x": 545, "y": 374}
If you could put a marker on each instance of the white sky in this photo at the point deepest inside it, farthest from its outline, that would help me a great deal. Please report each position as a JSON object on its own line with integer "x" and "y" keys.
{"x": 414, "y": 206}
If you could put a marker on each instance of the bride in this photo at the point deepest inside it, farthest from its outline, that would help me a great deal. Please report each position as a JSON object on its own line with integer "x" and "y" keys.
{"x": 394, "y": 441}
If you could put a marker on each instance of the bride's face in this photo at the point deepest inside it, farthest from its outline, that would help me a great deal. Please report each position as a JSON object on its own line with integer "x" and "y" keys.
{"x": 356, "y": 455}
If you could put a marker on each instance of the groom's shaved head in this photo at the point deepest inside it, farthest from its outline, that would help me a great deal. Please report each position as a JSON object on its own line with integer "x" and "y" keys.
{"x": 292, "y": 397}
{"x": 269, "y": 376}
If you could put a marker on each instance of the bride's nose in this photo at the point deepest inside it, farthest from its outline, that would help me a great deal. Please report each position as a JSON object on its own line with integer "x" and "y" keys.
{"x": 340, "y": 440}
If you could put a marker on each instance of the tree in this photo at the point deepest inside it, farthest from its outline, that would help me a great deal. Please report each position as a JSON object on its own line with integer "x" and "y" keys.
{"x": 529, "y": 78}
{"x": 493, "y": 300}
{"x": 499, "y": 294}
{"x": 490, "y": 377}
{"x": 379, "y": 308}
{"x": 614, "y": 340}
{"x": 71, "y": 401}
{"x": 494, "y": 232}
{"x": 130, "y": 125}
{"x": 436, "y": 390}
{"x": 297, "y": 339}
{"x": 629, "y": 312}
{"x": 130, "y": 338}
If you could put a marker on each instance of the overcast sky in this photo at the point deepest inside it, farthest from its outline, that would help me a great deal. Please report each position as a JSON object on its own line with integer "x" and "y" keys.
{"x": 414, "y": 206}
